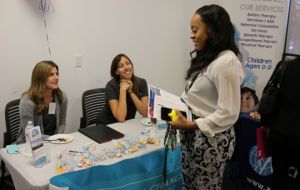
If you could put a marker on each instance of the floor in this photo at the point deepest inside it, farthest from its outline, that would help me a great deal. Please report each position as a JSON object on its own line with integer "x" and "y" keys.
{"x": 231, "y": 179}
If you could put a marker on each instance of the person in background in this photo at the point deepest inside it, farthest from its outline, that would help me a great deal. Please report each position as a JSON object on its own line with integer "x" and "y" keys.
{"x": 285, "y": 131}
{"x": 213, "y": 95}
{"x": 43, "y": 103}
{"x": 249, "y": 103}
{"x": 232, "y": 174}
{"x": 125, "y": 93}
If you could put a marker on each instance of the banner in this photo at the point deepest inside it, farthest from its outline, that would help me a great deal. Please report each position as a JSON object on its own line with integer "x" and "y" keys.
{"x": 141, "y": 173}
{"x": 260, "y": 32}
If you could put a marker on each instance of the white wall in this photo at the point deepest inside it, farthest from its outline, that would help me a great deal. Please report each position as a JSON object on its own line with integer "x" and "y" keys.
{"x": 189, "y": 9}
{"x": 151, "y": 33}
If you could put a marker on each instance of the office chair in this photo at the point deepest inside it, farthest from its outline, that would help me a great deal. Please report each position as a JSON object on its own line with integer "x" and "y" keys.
{"x": 12, "y": 120}
{"x": 93, "y": 101}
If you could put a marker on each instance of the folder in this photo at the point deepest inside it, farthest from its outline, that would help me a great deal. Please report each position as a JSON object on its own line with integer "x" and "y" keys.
{"x": 101, "y": 133}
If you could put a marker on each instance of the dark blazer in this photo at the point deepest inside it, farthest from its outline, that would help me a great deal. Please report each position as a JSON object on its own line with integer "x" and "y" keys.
{"x": 287, "y": 119}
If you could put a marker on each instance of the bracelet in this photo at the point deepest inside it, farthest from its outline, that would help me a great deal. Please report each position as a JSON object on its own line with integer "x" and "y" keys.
{"x": 130, "y": 92}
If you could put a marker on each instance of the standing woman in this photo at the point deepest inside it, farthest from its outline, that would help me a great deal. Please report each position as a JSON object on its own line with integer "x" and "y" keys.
{"x": 213, "y": 95}
{"x": 43, "y": 103}
{"x": 125, "y": 93}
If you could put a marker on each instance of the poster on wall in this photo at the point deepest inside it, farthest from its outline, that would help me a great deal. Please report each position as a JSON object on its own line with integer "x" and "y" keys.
{"x": 260, "y": 33}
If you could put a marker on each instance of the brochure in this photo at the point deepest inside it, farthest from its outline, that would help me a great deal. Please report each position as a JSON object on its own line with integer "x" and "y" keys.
{"x": 39, "y": 151}
{"x": 159, "y": 99}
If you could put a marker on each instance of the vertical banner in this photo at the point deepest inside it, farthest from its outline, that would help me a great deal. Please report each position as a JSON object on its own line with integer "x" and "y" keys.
{"x": 260, "y": 27}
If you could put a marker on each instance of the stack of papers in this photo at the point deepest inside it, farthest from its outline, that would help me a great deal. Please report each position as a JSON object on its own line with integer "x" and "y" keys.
{"x": 160, "y": 98}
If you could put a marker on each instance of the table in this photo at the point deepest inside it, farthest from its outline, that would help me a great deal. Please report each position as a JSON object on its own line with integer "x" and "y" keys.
{"x": 26, "y": 176}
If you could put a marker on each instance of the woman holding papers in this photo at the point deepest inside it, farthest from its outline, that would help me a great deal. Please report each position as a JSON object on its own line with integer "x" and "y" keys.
{"x": 213, "y": 95}
{"x": 125, "y": 93}
{"x": 43, "y": 103}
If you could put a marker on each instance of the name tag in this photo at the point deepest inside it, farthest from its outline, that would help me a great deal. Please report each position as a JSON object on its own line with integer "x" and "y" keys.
{"x": 52, "y": 106}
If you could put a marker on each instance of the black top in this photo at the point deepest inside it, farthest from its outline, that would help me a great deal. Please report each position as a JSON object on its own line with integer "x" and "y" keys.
{"x": 49, "y": 122}
{"x": 112, "y": 90}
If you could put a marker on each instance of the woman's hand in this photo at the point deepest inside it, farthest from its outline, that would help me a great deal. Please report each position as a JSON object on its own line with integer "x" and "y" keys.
{"x": 127, "y": 84}
{"x": 182, "y": 122}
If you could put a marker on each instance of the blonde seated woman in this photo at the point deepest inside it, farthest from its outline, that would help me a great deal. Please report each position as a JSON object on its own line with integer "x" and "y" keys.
{"x": 43, "y": 103}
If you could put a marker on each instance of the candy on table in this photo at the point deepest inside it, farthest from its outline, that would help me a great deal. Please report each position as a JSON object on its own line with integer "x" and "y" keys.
{"x": 153, "y": 140}
{"x": 133, "y": 148}
{"x": 143, "y": 141}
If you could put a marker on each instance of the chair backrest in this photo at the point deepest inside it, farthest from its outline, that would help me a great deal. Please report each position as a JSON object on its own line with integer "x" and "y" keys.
{"x": 93, "y": 101}
{"x": 12, "y": 119}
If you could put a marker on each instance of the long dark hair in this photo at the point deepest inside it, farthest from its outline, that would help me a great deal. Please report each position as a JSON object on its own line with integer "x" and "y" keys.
{"x": 220, "y": 37}
{"x": 114, "y": 66}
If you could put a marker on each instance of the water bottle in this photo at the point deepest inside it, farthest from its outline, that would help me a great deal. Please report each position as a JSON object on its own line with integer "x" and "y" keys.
{"x": 28, "y": 127}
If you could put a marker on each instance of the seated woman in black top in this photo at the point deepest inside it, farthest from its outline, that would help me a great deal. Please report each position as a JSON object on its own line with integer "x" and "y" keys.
{"x": 125, "y": 93}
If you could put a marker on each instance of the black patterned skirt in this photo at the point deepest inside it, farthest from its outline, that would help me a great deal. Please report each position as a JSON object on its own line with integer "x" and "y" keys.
{"x": 204, "y": 158}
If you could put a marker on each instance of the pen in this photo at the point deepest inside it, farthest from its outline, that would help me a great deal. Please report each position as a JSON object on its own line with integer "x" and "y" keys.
{"x": 74, "y": 151}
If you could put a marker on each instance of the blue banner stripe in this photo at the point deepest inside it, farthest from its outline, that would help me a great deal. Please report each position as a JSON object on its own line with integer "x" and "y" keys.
{"x": 144, "y": 172}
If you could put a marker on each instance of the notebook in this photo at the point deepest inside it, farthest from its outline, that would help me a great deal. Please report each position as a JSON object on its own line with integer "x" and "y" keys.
{"x": 101, "y": 133}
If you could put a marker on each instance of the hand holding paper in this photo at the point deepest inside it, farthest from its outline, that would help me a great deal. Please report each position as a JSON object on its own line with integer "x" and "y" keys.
{"x": 182, "y": 122}
{"x": 162, "y": 102}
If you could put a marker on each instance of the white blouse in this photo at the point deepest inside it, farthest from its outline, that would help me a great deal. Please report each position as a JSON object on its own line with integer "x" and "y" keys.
{"x": 215, "y": 95}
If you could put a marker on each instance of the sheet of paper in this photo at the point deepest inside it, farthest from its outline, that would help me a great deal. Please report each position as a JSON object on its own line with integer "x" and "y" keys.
{"x": 161, "y": 98}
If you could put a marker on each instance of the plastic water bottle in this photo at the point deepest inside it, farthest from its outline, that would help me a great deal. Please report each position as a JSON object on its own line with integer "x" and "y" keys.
{"x": 28, "y": 127}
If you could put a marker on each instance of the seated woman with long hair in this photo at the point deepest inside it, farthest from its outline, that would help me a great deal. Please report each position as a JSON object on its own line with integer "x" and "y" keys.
{"x": 43, "y": 103}
{"x": 125, "y": 93}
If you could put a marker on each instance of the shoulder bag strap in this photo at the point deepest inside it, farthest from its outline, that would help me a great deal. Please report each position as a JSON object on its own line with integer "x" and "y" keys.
{"x": 276, "y": 76}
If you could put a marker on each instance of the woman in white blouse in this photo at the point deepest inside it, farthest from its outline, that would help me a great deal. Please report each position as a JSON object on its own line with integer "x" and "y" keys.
{"x": 213, "y": 95}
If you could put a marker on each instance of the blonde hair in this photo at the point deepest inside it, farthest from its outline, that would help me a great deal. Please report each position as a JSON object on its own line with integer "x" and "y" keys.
{"x": 37, "y": 89}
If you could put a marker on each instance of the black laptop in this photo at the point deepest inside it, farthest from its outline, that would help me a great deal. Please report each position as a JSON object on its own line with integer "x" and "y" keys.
{"x": 101, "y": 133}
